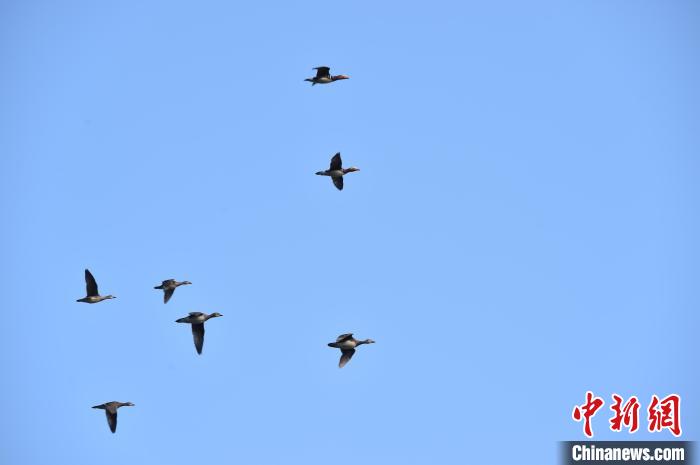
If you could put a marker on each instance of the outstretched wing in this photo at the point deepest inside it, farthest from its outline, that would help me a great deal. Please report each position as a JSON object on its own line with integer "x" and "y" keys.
{"x": 167, "y": 294}
{"x": 336, "y": 162}
{"x": 323, "y": 71}
{"x": 90, "y": 284}
{"x": 198, "y": 335}
{"x": 345, "y": 358}
{"x": 338, "y": 182}
{"x": 112, "y": 420}
{"x": 343, "y": 337}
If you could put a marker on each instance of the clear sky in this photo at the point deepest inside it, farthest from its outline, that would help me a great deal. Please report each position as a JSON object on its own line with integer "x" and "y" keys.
{"x": 523, "y": 228}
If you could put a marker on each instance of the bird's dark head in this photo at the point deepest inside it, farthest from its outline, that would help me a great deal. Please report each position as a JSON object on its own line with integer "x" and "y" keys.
{"x": 340, "y": 77}
{"x": 215, "y": 314}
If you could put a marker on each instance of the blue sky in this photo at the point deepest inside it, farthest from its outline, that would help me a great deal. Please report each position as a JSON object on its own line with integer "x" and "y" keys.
{"x": 523, "y": 228}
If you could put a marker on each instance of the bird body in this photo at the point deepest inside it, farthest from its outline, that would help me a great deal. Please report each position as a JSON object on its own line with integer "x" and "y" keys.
{"x": 320, "y": 80}
{"x": 93, "y": 299}
{"x": 110, "y": 409}
{"x": 93, "y": 296}
{"x": 336, "y": 171}
{"x": 323, "y": 76}
{"x": 197, "y": 319}
{"x": 347, "y": 345}
{"x": 332, "y": 173}
{"x": 168, "y": 286}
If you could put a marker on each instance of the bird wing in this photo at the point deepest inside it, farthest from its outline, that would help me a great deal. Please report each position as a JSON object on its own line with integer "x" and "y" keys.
{"x": 167, "y": 294}
{"x": 198, "y": 335}
{"x": 323, "y": 71}
{"x": 90, "y": 284}
{"x": 112, "y": 419}
{"x": 345, "y": 358}
{"x": 336, "y": 162}
{"x": 338, "y": 182}
{"x": 165, "y": 284}
{"x": 343, "y": 337}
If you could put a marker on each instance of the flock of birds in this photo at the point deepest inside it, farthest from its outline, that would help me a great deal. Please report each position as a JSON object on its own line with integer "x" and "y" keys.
{"x": 345, "y": 342}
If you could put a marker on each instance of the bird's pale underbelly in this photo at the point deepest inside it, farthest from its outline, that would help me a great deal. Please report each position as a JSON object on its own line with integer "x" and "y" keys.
{"x": 346, "y": 345}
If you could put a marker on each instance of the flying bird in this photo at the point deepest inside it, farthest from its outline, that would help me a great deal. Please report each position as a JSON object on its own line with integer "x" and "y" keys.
{"x": 93, "y": 296}
{"x": 323, "y": 76}
{"x": 110, "y": 409}
{"x": 336, "y": 171}
{"x": 347, "y": 344}
{"x": 168, "y": 286}
{"x": 197, "y": 319}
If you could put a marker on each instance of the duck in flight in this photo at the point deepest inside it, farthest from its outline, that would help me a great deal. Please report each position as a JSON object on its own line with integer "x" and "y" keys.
{"x": 110, "y": 409}
{"x": 168, "y": 286}
{"x": 197, "y": 319}
{"x": 336, "y": 171}
{"x": 93, "y": 296}
{"x": 323, "y": 76}
{"x": 347, "y": 344}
